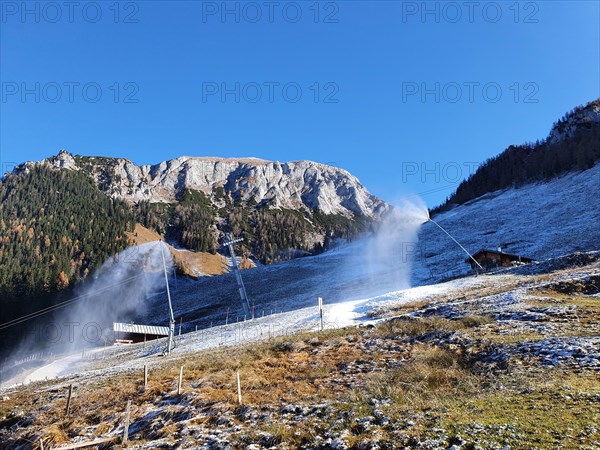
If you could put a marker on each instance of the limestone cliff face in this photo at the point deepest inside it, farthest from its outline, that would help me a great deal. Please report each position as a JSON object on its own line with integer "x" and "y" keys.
{"x": 293, "y": 185}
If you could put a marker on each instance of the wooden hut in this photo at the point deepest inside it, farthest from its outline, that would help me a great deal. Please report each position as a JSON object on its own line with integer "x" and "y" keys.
{"x": 492, "y": 259}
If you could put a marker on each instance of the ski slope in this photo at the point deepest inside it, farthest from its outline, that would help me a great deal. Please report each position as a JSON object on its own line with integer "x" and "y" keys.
{"x": 335, "y": 315}
{"x": 541, "y": 221}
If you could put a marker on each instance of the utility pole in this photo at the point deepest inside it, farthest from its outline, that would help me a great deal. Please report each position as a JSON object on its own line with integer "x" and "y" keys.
{"x": 172, "y": 318}
{"x": 238, "y": 275}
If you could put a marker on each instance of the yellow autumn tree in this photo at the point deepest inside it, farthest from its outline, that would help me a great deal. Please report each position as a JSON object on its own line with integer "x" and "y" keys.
{"x": 63, "y": 281}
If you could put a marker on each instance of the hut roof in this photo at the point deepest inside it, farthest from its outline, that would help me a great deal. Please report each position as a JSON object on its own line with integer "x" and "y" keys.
{"x": 140, "y": 329}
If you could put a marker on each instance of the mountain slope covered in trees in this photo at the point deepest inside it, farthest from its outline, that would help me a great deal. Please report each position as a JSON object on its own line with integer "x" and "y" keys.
{"x": 56, "y": 229}
{"x": 573, "y": 144}
{"x": 59, "y": 222}
{"x": 282, "y": 210}
{"x": 199, "y": 223}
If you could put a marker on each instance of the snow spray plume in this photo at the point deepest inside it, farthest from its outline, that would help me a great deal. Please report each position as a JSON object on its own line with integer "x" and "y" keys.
{"x": 392, "y": 247}
{"x": 117, "y": 293}
{"x": 382, "y": 261}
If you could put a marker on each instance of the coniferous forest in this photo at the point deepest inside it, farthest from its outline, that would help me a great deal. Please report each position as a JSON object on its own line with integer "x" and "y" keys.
{"x": 57, "y": 228}
{"x": 270, "y": 235}
{"x": 522, "y": 164}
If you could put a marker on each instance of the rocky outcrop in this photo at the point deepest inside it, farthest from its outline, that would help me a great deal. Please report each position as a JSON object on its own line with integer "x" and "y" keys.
{"x": 581, "y": 117}
{"x": 293, "y": 185}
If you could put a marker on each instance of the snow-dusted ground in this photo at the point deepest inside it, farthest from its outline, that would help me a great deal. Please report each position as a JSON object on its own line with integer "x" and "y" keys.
{"x": 538, "y": 220}
{"x": 541, "y": 221}
{"x": 335, "y": 315}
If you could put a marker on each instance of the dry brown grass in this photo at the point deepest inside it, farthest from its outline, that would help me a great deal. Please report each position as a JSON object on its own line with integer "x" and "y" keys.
{"x": 246, "y": 264}
{"x": 431, "y": 383}
{"x": 584, "y": 301}
{"x": 189, "y": 263}
{"x": 168, "y": 429}
{"x": 474, "y": 320}
{"x": 142, "y": 235}
{"x": 430, "y": 372}
{"x": 102, "y": 428}
{"x": 405, "y": 308}
{"x": 492, "y": 337}
{"x": 192, "y": 262}
{"x": 54, "y": 435}
{"x": 417, "y": 326}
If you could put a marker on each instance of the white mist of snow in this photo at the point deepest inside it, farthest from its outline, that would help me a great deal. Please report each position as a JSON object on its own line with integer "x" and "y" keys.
{"x": 118, "y": 292}
{"x": 120, "y": 288}
{"x": 386, "y": 255}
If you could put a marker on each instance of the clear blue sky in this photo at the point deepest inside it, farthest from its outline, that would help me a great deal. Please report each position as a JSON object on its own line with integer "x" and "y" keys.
{"x": 373, "y": 58}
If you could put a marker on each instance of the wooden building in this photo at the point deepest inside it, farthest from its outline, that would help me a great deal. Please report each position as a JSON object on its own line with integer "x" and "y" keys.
{"x": 492, "y": 259}
{"x": 127, "y": 333}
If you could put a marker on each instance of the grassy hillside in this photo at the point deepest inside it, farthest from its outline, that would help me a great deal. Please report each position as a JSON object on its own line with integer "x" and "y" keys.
{"x": 447, "y": 369}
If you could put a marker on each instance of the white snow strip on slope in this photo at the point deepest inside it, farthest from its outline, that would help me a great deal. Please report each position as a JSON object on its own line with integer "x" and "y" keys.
{"x": 306, "y": 319}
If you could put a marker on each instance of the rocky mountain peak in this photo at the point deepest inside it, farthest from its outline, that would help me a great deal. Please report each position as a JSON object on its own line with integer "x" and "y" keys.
{"x": 580, "y": 117}
{"x": 290, "y": 185}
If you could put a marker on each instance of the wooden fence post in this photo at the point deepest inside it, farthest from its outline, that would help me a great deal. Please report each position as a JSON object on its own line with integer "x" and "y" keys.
{"x": 68, "y": 408}
{"x": 239, "y": 388}
{"x": 145, "y": 377}
{"x": 126, "y": 426}
{"x": 180, "y": 380}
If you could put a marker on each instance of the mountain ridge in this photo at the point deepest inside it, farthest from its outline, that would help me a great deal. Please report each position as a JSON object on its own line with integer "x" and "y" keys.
{"x": 583, "y": 116}
{"x": 573, "y": 143}
{"x": 299, "y": 184}
{"x": 54, "y": 235}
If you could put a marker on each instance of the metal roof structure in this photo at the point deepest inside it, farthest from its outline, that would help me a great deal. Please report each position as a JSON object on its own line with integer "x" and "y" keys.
{"x": 140, "y": 329}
